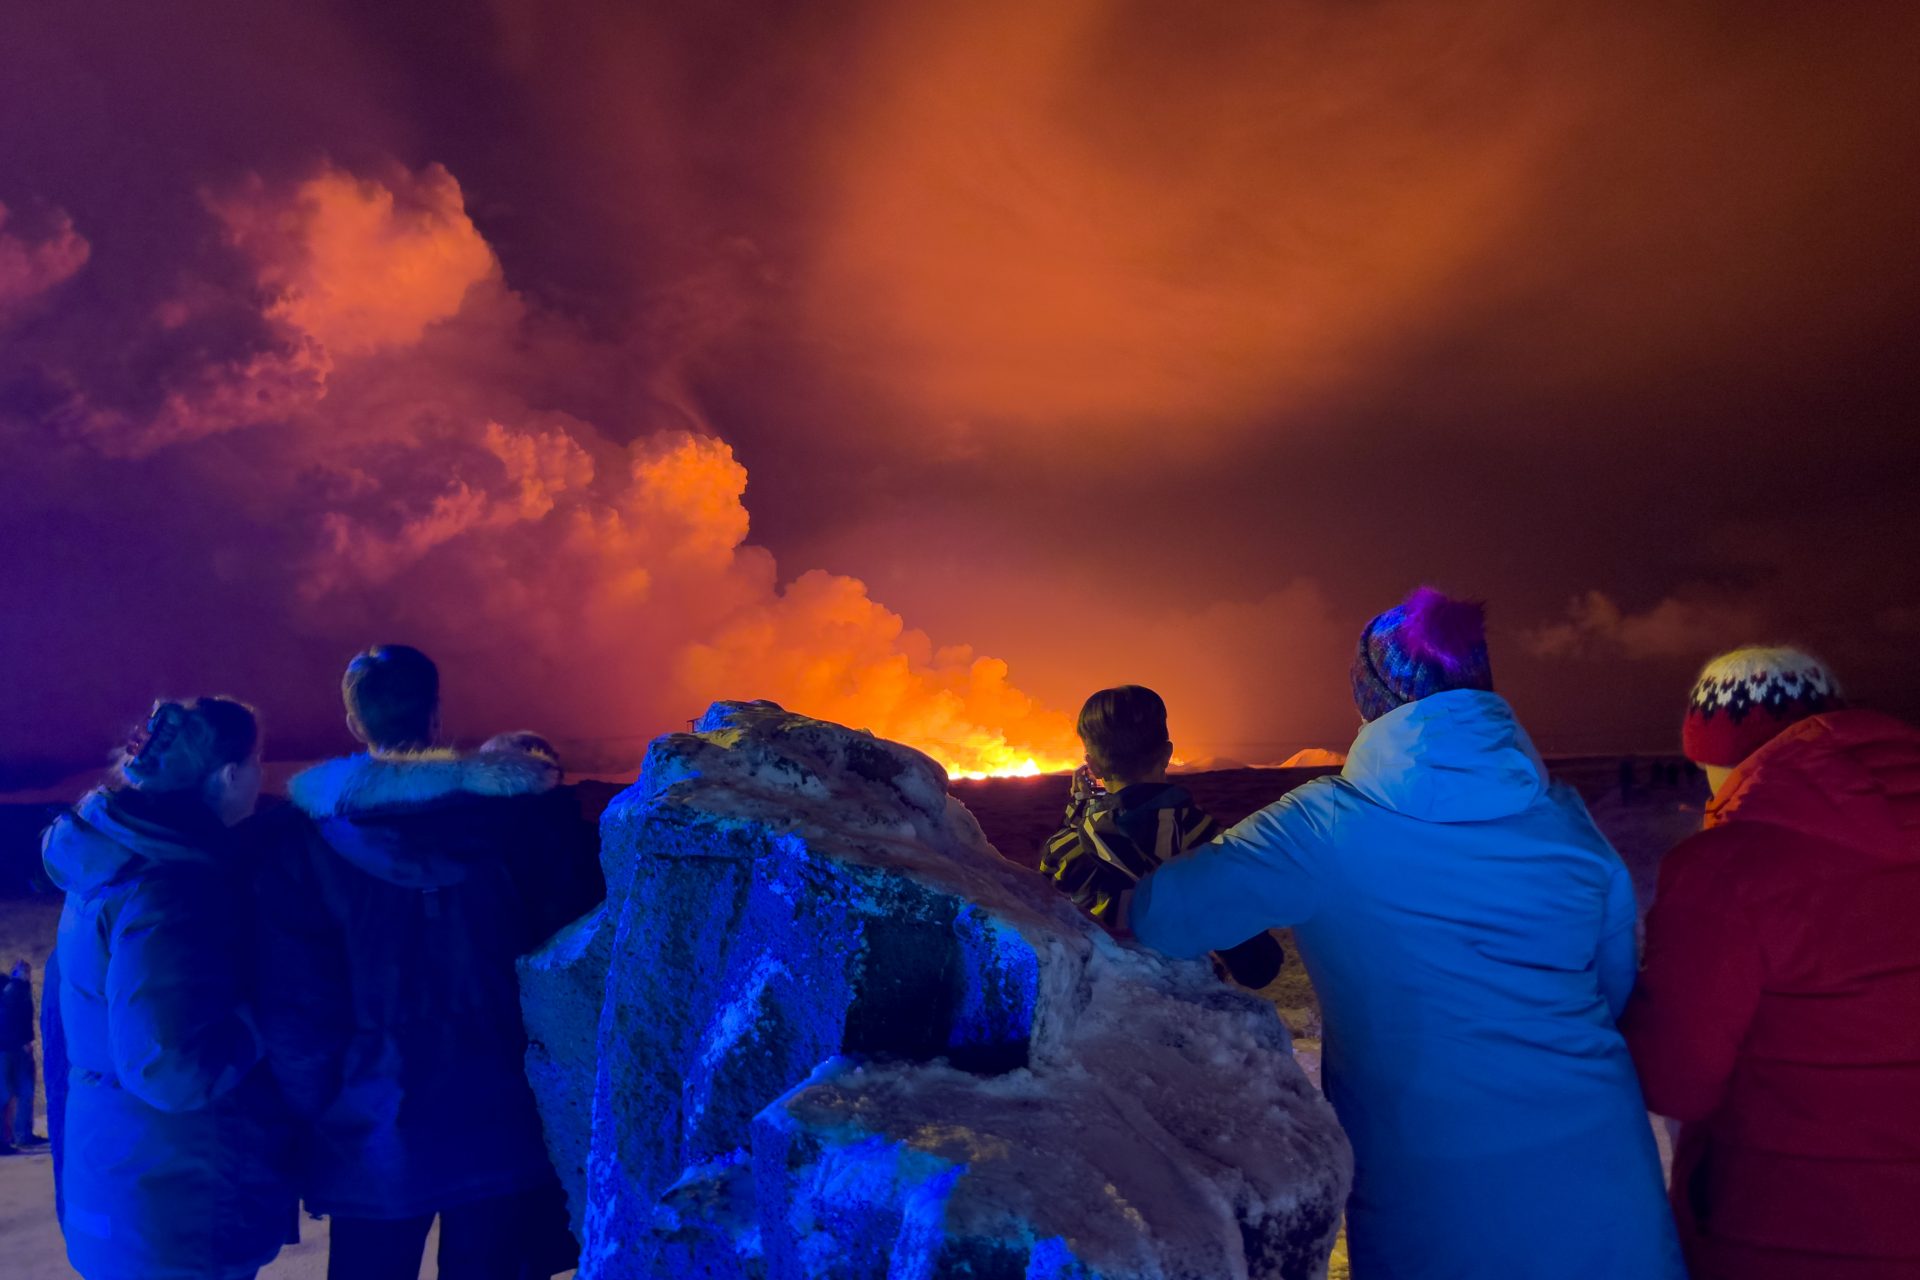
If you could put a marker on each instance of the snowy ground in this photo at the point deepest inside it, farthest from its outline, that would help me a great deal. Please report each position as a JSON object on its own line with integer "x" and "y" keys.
{"x": 1017, "y": 815}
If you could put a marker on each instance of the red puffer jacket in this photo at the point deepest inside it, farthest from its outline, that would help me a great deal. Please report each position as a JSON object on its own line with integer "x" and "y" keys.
{"x": 1778, "y": 1014}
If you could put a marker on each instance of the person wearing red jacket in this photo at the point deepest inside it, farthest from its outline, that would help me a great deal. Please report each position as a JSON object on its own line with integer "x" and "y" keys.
{"x": 1778, "y": 1013}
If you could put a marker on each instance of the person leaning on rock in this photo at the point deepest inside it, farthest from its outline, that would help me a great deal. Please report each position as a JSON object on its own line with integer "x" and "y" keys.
{"x": 1470, "y": 934}
{"x": 1124, "y": 819}
{"x": 406, "y": 881}
{"x": 1778, "y": 1014}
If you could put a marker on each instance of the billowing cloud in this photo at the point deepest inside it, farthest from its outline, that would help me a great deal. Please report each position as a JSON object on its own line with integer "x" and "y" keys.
{"x": 598, "y": 587}
{"x": 1671, "y": 628}
{"x": 1117, "y": 341}
{"x": 1133, "y": 217}
{"x": 31, "y": 266}
{"x": 354, "y": 264}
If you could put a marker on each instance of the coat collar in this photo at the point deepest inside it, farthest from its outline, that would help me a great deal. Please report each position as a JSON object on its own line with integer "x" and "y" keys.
{"x": 1850, "y": 776}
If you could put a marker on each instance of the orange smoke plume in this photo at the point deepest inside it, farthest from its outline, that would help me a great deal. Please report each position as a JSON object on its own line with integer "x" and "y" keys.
{"x": 597, "y": 586}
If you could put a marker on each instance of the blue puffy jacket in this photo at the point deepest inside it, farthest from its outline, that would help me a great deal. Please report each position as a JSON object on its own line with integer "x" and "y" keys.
{"x": 1470, "y": 934}
{"x": 174, "y": 1157}
{"x": 401, "y": 890}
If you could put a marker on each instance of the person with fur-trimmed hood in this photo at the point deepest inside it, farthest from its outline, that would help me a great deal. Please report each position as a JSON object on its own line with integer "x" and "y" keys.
{"x": 408, "y": 882}
{"x": 1470, "y": 934}
{"x": 1778, "y": 1013}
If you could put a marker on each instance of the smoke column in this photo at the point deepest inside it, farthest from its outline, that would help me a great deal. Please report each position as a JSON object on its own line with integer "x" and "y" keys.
{"x": 377, "y": 465}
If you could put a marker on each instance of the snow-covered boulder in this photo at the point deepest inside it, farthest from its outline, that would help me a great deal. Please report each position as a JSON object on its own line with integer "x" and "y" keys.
{"x": 838, "y": 1036}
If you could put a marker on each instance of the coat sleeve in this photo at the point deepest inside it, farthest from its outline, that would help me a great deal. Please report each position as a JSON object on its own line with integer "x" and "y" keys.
{"x": 1700, "y": 986}
{"x": 177, "y": 1029}
{"x": 304, "y": 998}
{"x": 1618, "y": 959}
{"x": 1261, "y": 874}
{"x": 1064, "y": 843}
{"x": 554, "y": 862}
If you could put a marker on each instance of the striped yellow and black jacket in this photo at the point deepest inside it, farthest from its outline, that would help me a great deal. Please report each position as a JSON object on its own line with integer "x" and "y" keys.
{"x": 1109, "y": 842}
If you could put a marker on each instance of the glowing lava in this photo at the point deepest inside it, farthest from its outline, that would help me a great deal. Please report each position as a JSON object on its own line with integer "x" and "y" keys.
{"x": 988, "y": 755}
{"x": 1028, "y": 768}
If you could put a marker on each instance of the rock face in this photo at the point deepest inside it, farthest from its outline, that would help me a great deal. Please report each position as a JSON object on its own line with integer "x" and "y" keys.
{"x": 821, "y": 1029}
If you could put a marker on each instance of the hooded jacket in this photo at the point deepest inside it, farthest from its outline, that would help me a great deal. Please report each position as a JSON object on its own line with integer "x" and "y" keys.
{"x": 403, "y": 889}
{"x": 1778, "y": 1015}
{"x": 175, "y": 1144}
{"x": 1470, "y": 934}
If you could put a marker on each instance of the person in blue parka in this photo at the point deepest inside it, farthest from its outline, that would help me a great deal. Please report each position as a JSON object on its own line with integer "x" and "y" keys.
{"x": 175, "y": 1150}
{"x": 1470, "y": 934}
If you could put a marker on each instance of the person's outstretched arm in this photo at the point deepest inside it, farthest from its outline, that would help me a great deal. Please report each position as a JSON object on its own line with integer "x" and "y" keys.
{"x": 1071, "y": 860}
{"x": 1261, "y": 874}
{"x": 179, "y": 1036}
{"x": 1701, "y": 985}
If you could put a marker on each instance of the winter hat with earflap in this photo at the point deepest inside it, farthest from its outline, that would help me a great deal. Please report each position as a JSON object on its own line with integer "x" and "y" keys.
{"x": 1743, "y": 698}
{"x": 1430, "y": 644}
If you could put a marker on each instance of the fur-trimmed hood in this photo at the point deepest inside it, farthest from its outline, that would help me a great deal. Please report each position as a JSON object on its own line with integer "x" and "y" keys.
{"x": 418, "y": 819}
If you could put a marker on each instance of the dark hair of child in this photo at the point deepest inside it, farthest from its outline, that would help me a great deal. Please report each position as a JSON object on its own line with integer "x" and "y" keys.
{"x": 1125, "y": 731}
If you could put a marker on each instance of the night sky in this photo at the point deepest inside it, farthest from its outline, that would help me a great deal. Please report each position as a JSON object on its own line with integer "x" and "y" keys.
{"x": 1117, "y": 341}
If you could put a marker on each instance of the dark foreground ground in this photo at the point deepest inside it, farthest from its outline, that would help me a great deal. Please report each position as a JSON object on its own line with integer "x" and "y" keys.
{"x": 1017, "y": 814}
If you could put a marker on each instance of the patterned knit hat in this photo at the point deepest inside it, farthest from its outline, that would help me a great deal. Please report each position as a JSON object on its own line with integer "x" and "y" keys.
{"x": 1743, "y": 698}
{"x": 1426, "y": 646}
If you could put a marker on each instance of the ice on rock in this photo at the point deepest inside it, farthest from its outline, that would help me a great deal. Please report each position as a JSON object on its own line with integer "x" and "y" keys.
{"x": 821, "y": 1029}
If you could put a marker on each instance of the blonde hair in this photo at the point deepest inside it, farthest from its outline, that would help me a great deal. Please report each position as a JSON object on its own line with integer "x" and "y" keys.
{"x": 183, "y": 743}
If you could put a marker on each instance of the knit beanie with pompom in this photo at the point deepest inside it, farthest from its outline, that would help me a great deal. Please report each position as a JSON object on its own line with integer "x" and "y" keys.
{"x": 1430, "y": 644}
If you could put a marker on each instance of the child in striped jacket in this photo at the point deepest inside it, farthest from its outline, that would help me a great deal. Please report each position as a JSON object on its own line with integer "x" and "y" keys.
{"x": 1118, "y": 832}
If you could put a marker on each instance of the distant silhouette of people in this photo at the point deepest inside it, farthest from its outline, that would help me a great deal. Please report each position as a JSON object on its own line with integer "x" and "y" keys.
{"x": 1117, "y": 832}
{"x": 184, "y": 1156}
{"x": 1470, "y": 935}
{"x": 54, "y": 1069}
{"x": 1629, "y": 778}
{"x": 16, "y": 1059}
{"x": 1778, "y": 1014}
{"x": 405, "y": 883}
